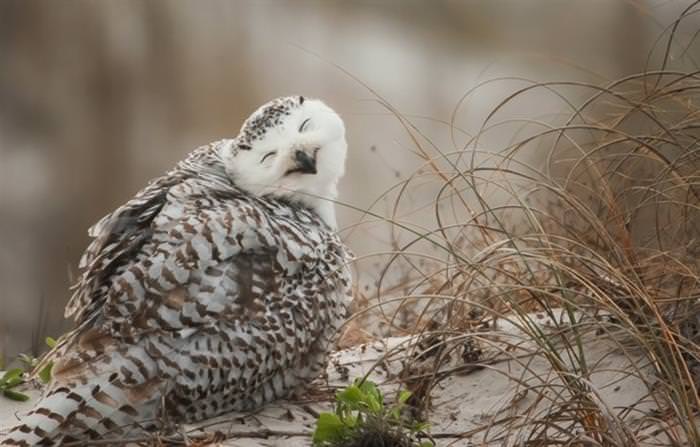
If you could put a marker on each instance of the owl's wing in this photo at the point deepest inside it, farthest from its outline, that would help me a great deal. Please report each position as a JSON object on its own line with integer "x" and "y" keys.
{"x": 202, "y": 256}
{"x": 116, "y": 237}
{"x": 119, "y": 236}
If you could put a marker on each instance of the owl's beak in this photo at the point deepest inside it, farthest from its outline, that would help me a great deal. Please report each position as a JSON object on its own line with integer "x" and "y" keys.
{"x": 304, "y": 163}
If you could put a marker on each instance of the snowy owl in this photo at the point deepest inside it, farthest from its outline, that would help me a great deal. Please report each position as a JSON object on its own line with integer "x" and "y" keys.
{"x": 220, "y": 286}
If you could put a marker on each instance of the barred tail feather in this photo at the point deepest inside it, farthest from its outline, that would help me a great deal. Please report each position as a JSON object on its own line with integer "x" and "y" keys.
{"x": 93, "y": 399}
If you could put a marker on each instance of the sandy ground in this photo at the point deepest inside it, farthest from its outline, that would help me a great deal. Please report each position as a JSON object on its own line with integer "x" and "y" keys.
{"x": 473, "y": 406}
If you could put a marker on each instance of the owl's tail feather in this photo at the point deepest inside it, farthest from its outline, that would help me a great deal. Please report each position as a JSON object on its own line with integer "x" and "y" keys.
{"x": 108, "y": 396}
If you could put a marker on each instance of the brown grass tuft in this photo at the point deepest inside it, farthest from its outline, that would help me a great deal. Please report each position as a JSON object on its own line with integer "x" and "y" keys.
{"x": 595, "y": 211}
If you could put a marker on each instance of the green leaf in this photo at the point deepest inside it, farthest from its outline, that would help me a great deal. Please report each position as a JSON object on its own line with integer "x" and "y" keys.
{"x": 352, "y": 421}
{"x": 45, "y": 373}
{"x": 51, "y": 342}
{"x": 395, "y": 413}
{"x": 28, "y": 360}
{"x": 13, "y": 382}
{"x": 11, "y": 378}
{"x": 329, "y": 428}
{"x": 350, "y": 395}
{"x": 420, "y": 426}
{"x": 374, "y": 404}
{"x": 427, "y": 444}
{"x": 15, "y": 395}
{"x": 404, "y": 395}
{"x": 373, "y": 397}
{"x": 370, "y": 388}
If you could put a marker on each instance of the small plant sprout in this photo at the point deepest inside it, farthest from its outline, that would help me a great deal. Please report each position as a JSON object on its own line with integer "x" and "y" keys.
{"x": 45, "y": 373}
{"x": 14, "y": 377}
{"x": 30, "y": 363}
{"x": 361, "y": 418}
{"x": 9, "y": 380}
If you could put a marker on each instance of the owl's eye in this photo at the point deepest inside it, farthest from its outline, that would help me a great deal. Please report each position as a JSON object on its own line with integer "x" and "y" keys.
{"x": 303, "y": 125}
{"x": 268, "y": 155}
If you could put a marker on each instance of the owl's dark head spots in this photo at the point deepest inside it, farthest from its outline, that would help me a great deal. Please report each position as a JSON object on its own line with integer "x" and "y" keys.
{"x": 244, "y": 146}
{"x": 268, "y": 116}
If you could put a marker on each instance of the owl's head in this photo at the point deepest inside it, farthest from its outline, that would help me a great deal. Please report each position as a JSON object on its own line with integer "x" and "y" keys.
{"x": 293, "y": 148}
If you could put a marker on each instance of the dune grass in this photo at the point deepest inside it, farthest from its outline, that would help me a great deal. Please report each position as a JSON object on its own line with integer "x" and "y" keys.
{"x": 595, "y": 213}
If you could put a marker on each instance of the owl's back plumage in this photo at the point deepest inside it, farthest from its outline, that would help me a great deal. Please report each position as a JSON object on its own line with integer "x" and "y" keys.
{"x": 196, "y": 298}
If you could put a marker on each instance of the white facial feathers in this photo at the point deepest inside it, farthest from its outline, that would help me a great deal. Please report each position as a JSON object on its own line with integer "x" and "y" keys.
{"x": 292, "y": 148}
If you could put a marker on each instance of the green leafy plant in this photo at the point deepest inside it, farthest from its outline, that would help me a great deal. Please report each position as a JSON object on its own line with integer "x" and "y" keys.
{"x": 361, "y": 418}
{"x": 30, "y": 362}
{"x": 9, "y": 380}
{"x": 14, "y": 377}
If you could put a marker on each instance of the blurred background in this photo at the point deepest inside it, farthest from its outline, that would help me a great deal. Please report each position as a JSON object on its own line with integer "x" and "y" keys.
{"x": 96, "y": 98}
